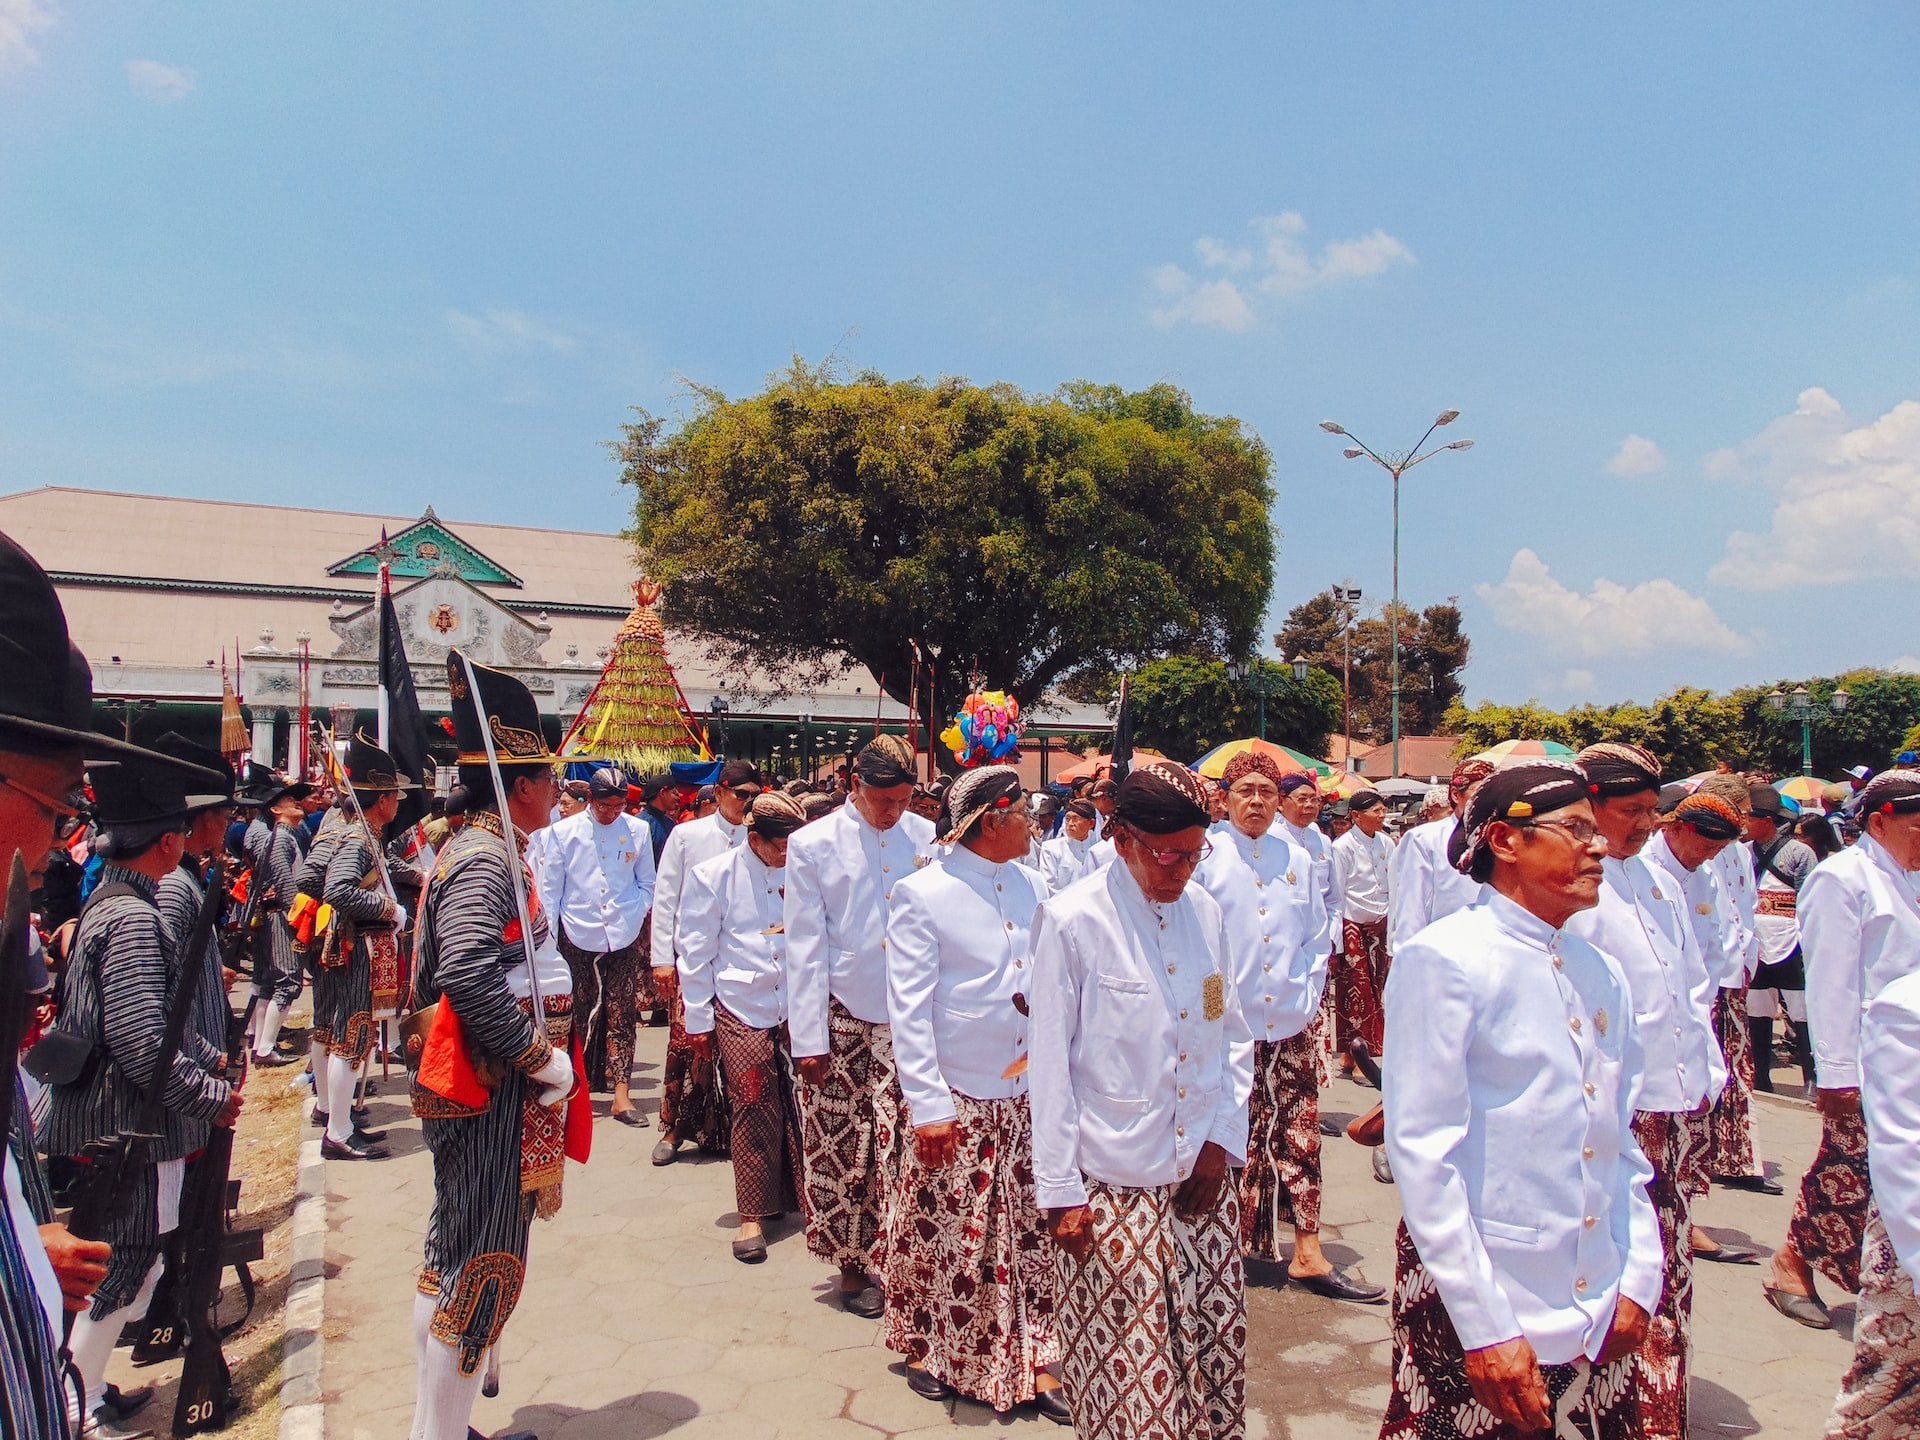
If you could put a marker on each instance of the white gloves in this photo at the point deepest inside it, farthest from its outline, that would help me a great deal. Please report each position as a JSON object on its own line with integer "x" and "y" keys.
{"x": 555, "y": 1078}
{"x": 399, "y": 916}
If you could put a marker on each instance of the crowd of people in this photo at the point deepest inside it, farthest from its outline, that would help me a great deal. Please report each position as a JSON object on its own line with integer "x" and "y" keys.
{"x": 1039, "y": 1073}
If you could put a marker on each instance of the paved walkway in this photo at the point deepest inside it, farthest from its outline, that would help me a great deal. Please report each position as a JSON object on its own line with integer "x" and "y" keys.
{"x": 636, "y": 1322}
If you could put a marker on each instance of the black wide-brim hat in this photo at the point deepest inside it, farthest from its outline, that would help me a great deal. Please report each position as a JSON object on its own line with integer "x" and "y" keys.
{"x": 46, "y": 684}
{"x": 211, "y": 761}
{"x": 511, "y": 716}
{"x": 143, "y": 796}
{"x": 371, "y": 771}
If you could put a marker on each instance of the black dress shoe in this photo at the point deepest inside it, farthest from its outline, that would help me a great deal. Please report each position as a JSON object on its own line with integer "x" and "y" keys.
{"x": 1340, "y": 1283}
{"x": 1729, "y": 1255}
{"x": 1329, "y": 1127}
{"x": 666, "y": 1152}
{"x": 370, "y": 1136}
{"x": 320, "y": 1118}
{"x": 1052, "y": 1405}
{"x": 1806, "y": 1309}
{"x": 473, "y": 1434}
{"x": 927, "y": 1385}
{"x": 867, "y": 1303}
{"x": 632, "y": 1118}
{"x": 1757, "y": 1184}
{"x": 750, "y": 1251}
{"x": 354, "y": 1149}
{"x": 124, "y": 1404}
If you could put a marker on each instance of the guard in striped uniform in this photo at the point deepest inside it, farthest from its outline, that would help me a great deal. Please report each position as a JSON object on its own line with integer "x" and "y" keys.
{"x": 363, "y": 939}
{"x": 276, "y": 871}
{"x": 490, "y": 1080}
{"x": 114, "y": 998}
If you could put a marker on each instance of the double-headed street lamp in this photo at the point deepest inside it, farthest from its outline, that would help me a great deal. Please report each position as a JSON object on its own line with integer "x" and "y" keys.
{"x": 1348, "y": 598}
{"x": 1396, "y": 463}
{"x": 1801, "y": 703}
{"x": 1264, "y": 680}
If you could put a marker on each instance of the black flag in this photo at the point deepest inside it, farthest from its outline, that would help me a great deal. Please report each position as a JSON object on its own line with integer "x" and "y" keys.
{"x": 1122, "y": 753}
{"x": 406, "y": 737}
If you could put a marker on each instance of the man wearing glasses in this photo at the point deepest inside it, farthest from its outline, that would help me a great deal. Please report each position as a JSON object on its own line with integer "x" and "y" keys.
{"x": 691, "y": 1104}
{"x": 1642, "y": 923}
{"x": 1141, "y": 1068}
{"x": 1277, "y": 922}
{"x": 1529, "y": 1255}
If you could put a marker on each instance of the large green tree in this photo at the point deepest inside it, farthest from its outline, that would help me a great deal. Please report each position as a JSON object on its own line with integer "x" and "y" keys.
{"x": 1184, "y": 705}
{"x": 1434, "y": 649}
{"x": 1026, "y": 538}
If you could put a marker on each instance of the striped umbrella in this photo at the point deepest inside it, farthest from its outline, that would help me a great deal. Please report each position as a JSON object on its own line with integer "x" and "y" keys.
{"x": 1510, "y": 750}
{"x": 1808, "y": 791}
{"x": 1214, "y": 763}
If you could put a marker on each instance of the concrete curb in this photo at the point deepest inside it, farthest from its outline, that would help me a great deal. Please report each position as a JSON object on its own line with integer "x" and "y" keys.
{"x": 302, "y": 1415}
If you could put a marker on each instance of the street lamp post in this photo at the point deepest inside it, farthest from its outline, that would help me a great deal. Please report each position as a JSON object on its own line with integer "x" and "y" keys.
{"x": 1396, "y": 463}
{"x": 1263, "y": 681}
{"x": 1801, "y": 703}
{"x": 1347, "y": 596}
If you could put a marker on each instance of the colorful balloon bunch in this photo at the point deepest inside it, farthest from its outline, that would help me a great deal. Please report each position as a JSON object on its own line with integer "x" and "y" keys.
{"x": 987, "y": 728}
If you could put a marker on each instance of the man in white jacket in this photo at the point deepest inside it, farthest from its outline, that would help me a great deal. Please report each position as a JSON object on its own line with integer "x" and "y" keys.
{"x": 1530, "y": 1255}
{"x": 1142, "y": 1066}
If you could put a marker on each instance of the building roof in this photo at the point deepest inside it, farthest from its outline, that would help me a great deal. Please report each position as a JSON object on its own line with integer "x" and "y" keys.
{"x": 1422, "y": 757}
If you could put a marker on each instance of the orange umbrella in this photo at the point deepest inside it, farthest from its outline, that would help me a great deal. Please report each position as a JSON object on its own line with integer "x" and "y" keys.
{"x": 1096, "y": 765}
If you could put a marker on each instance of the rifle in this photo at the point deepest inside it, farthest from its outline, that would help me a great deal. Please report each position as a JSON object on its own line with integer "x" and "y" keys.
{"x": 101, "y": 1191}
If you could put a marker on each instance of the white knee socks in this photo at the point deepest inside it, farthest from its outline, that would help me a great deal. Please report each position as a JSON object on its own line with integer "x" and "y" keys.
{"x": 443, "y": 1402}
{"x": 93, "y": 1340}
{"x": 269, "y": 1030}
{"x": 339, "y": 1084}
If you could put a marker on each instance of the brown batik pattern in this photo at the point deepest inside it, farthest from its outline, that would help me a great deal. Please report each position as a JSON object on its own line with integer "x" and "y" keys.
{"x": 1281, "y": 1184}
{"x": 969, "y": 1269}
{"x": 1432, "y": 1399}
{"x": 1879, "y": 1395}
{"x": 693, "y": 1097}
{"x": 766, "y": 1122}
{"x": 850, "y": 1124}
{"x": 1731, "y": 1148}
{"x": 1359, "y": 981}
{"x": 604, "y": 988}
{"x": 1830, "y": 1217}
{"x": 1669, "y": 1142}
{"x": 1153, "y": 1323}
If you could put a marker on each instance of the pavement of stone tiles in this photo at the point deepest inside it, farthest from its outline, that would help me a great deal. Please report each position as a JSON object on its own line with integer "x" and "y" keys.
{"x": 636, "y": 1322}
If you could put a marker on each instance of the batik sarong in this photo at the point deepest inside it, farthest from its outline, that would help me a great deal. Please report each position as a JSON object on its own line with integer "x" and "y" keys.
{"x": 766, "y": 1123}
{"x": 1879, "y": 1395}
{"x": 851, "y": 1127}
{"x": 1431, "y": 1397}
{"x": 1281, "y": 1184}
{"x": 969, "y": 1268}
{"x": 1733, "y": 1147}
{"x": 604, "y": 987}
{"x": 1359, "y": 983}
{"x": 1830, "y": 1217}
{"x": 1153, "y": 1323}
{"x": 1669, "y": 1142}
{"x": 693, "y": 1097}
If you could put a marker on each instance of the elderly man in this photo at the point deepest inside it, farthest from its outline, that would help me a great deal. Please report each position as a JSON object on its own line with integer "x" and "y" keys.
{"x": 1068, "y": 856}
{"x": 1859, "y": 933}
{"x": 1422, "y": 883}
{"x": 841, "y": 872}
{"x": 113, "y": 1001}
{"x": 1361, "y": 858}
{"x": 733, "y": 984}
{"x": 1641, "y": 923}
{"x": 1142, "y": 1068}
{"x": 969, "y": 1278}
{"x": 1530, "y": 1255}
{"x": 596, "y": 877}
{"x": 1277, "y": 924}
{"x": 1697, "y": 832}
{"x": 693, "y": 1104}
{"x": 1299, "y": 809}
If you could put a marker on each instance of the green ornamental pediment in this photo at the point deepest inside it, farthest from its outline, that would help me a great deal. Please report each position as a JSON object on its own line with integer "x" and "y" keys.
{"x": 428, "y": 547}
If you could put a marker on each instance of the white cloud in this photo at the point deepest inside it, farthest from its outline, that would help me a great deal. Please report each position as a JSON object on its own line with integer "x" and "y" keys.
{"x": 1278, "y": 264}
{"x": 1609, "y": 620}
{"x": 162, "y": 84}
{"x": 1637, "y": 456}
{"x": 1905, "y": 665}
{"x": 20, "y": 21}
{"x": 503, "y": 330}
{"x": 1579, "y": 682}
{"x": 1848, "y": 505}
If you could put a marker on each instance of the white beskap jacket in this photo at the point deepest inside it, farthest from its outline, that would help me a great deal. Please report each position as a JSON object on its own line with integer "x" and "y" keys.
{"x": 731, "y": 948}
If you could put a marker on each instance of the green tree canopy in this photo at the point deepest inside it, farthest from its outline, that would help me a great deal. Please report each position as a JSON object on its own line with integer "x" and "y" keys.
{"x": 1034, "y": 537}
{"x": 1691, "y": 730}
{"x": 1434, "y": 649}
{"x": 1184, "y": 705}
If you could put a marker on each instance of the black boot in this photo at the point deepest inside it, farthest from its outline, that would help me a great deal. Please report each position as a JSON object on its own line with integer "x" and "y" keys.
{"x": 1760, "y": 1031}
{"x": 1801, "y": 1039}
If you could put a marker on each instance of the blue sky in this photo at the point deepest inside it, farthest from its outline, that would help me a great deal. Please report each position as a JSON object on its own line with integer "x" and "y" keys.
{"x": 1664, "y": 260}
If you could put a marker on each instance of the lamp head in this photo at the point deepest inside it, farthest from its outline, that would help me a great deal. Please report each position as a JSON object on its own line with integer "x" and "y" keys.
{"x": 1333, "y": 427}
{"x": 1352, "y": 454}
{"x": 1447, "y": 417}
{"x": 1459, "y": 445}
{"x": 1840, "y": 698}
